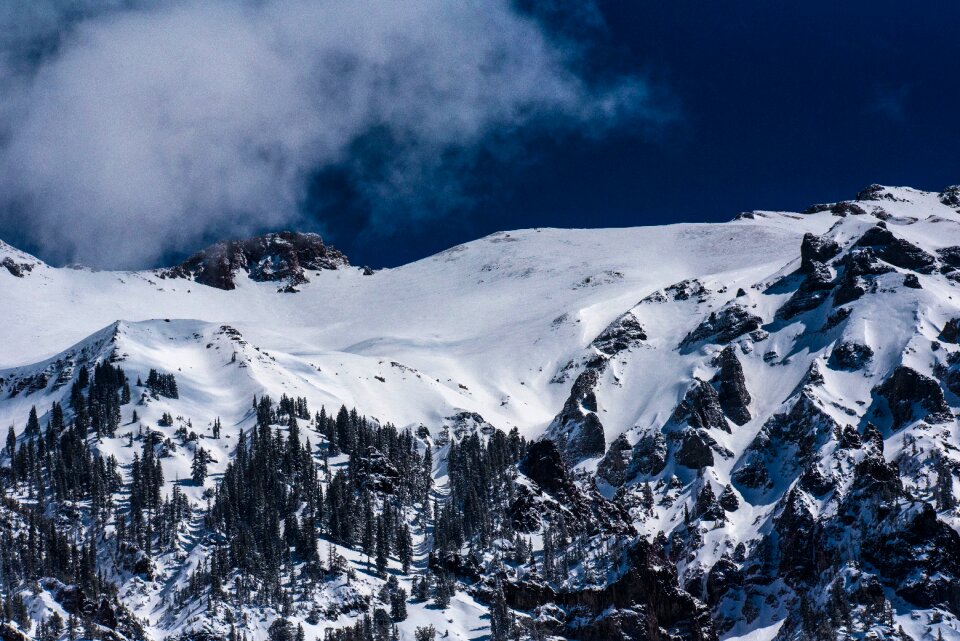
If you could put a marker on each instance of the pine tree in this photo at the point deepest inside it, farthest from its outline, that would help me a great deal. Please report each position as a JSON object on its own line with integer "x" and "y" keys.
{"x": 11, "y": 443}
{"x": 198, "y": 468}
{"x": 382, "y": 547}
{"x": 427, "y": 633}
{"x": 33, "y": 423}
{"x": 442, "y": 591}
{"x": 501, "y": 619}
{"x": 398, "y": 605}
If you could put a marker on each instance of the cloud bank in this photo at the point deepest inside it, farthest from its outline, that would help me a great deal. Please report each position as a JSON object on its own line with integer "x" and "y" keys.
{"x": 131, "y": 130}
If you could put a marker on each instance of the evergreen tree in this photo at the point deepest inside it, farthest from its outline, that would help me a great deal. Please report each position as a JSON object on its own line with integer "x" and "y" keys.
{"x": 501, "y": 619}
{"x": 198, "y": 468}
{"x": 398, "y": 605}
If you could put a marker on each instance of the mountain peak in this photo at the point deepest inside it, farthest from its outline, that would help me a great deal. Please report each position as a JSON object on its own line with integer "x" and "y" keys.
{"x": 283, "y": 256}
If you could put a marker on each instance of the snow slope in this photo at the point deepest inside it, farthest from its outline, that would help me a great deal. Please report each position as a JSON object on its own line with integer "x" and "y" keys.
{"x": 490, "y": 320}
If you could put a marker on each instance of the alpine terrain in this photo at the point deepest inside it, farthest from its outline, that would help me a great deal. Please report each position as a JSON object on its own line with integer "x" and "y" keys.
{"x": 737, "y": 431}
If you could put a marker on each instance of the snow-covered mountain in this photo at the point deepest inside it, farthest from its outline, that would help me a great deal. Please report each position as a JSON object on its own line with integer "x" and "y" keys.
{"x": 744, "y": 430}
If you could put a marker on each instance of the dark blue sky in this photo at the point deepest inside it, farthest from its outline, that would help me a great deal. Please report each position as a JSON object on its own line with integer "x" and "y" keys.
{"x": 763, "y": 105}
{"x": 778, "y": 105}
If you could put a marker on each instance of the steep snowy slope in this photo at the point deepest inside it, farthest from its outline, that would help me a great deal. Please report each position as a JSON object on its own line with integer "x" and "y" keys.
{"x": 496, "y": 316}
{"x": 757, "y": 417}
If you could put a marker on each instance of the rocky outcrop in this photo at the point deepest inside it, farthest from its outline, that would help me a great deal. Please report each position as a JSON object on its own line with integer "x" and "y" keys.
{"x": 721, "y": 327}
{"x": 723, "y": 577}
{"x": 620, "y": 335}
{"x": 693, "y": 449}
{"x": 544, "y": 465}
{"x": 816, "y": 249}
{"x": 951, "y": 331}
{"x": 643, "y": 604}
{"x": 728, "y": 499}
{"x": 950, "y": 255}
{"x": 9, "y": 633}
{"x": 784, "y": 445}
{"x": 842, "y": 208}
{"x": 897, "y": 251}
{"x": 912, "y": 396}
{"x": 858, "y": 265}
{"x": 812, "y": 292}
{"x": 279, "y": 257}
{"x": 850, "y": 356}
{"x": 731, "y": 386}
{"x": 795, "y": 526}
{"x": 921, "y": 557}
{"x": 706, "y": 507}
{"x": 875, "y": 192}
{"x": 577, "y": 429}
{"x": 649, "y": 455}
{"x": 615, "y": 463}
{"x": 700, "y": 408}
{"x": 950, "y": 196}
{"x": 16, "y": 269}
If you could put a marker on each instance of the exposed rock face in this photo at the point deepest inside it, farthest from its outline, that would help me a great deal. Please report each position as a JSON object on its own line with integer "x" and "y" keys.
{"x": 649, "y": 455}
{"x": 850, "y": 356}
{"x": 795, "y": 525}
{"x": 722, "y": 326}
{"x": 950, "y": 196}
{"x": 858, "y": 264}
{"x": 577, "y": 430}
{"x": 912, "y": 396}
{"x": 10, "y": 633}
{"x": 728, "y": 499}
{"x": 949, "y": 375}
{"x": 723, "y": 577}
{"x": 785, "y": 444}
{"x": 700, "y": 407}
{"x": 620, "y": 335}
{"x": 16, "y": 269}
{"x": 950, "y": 255}
{"x": 836, "y": 317}
{"x": 951, "y": 331}
{"x": 922, "y": 557}
{"x": 643, "y": 604}
{"x": 613, "y": 466}
{"x": 875, "y": 192}
{"x": 842, "y": 208}
{"x": 862, "y": 261}
{"x": 732, "y": 386}
{"x": 897, "y": 251}
{"x": 544, "y": 465}
{"x": 816, "y": 249}
{"x": 706, "y": 507}
{"x": 896, "y": 552}
{"x": 912, "y": 281}
{"x": 813, "y": 291}
{"x": 694, "y": 449}
{"x": 284, "y": 256}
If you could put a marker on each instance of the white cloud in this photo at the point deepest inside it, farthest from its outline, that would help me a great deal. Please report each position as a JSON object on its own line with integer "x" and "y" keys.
{"x": 140, "y": 129}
